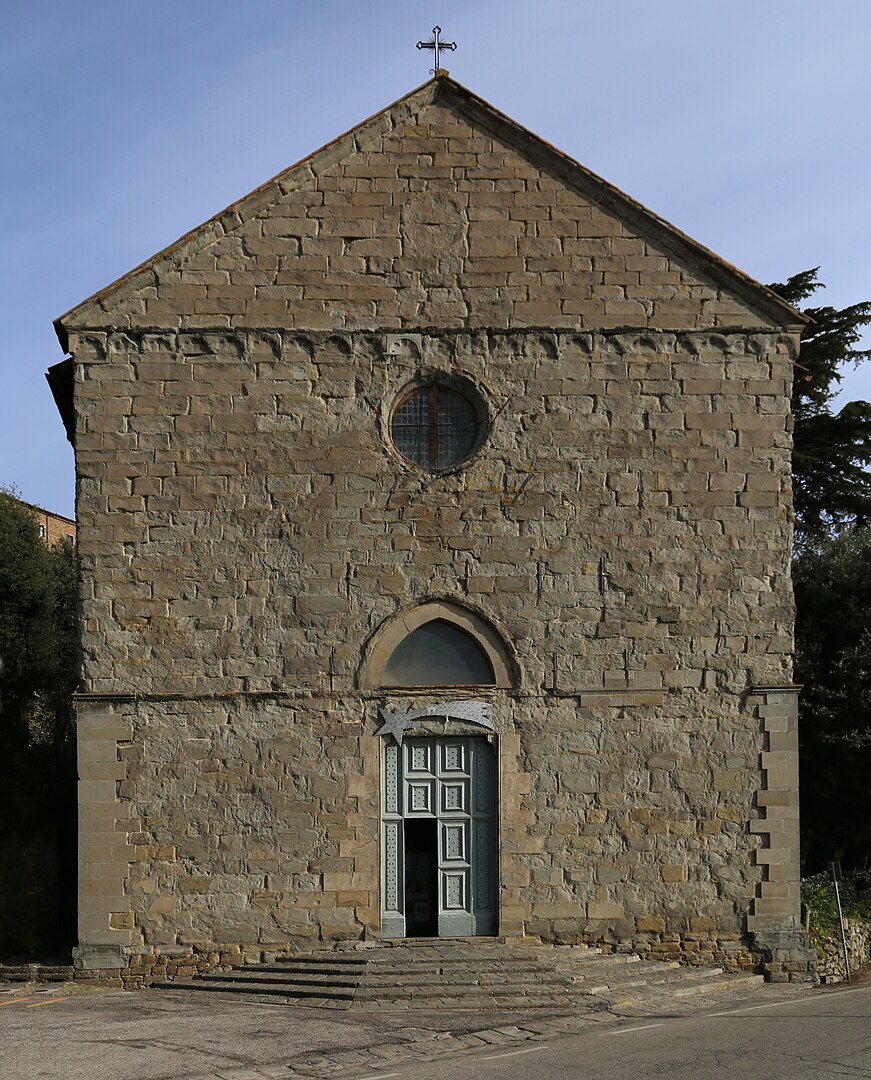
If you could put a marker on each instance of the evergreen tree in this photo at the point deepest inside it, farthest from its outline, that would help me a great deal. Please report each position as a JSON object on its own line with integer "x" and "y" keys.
{"x": 40, "y": 654}
{"x": 39, "y": 657}
{"x": 833, "y": 664}
{"x": 831, "y": 451}
{"x": 832, "y": 579}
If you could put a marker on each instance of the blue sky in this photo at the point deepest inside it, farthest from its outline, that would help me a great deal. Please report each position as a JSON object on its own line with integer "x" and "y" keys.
{"x": 123, "y": 125}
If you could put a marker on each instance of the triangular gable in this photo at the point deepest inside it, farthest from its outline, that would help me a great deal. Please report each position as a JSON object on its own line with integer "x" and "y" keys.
{"x": 174, "y": 287}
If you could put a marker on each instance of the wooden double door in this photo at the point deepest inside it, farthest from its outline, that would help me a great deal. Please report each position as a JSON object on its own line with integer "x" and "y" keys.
{"x": 439, "y": 838}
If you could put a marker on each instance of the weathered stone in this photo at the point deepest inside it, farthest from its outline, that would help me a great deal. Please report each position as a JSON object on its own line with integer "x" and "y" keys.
{"x": 251, "y": 537}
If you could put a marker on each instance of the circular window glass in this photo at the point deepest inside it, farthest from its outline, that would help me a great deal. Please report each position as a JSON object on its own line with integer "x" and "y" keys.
{"x": 435, "y": 426}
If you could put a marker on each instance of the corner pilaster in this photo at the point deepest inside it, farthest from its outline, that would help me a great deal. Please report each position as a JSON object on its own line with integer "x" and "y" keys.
{"x": 775, "y": 918}
{"x": 105, "y": 921}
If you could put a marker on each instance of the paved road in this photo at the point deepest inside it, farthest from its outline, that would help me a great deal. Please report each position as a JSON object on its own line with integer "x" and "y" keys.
{"x": 175, "y": 1036}
{"x": 818, "y": 1036}
{"x": 772, "y": 1034}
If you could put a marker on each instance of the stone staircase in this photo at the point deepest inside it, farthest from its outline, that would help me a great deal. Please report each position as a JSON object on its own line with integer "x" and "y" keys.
{"x": 435, "y": 974}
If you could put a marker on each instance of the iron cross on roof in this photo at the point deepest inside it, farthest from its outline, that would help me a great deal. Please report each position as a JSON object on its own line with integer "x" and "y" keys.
{"x": 436, "y": 47}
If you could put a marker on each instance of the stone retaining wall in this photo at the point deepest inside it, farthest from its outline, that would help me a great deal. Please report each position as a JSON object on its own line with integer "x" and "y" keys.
{"x": 830, "y": 962}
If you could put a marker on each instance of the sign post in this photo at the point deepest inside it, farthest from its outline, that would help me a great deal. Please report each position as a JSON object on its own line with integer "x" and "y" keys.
{"x": 835, "y": 870}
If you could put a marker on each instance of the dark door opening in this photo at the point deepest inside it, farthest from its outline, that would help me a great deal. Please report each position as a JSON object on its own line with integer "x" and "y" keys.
{"x": 421, "y": 877}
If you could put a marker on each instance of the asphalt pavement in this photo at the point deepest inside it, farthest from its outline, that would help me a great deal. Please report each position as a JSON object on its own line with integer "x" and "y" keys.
{"x": 55, "y": 1034}
{"x": 821, "y": 1035}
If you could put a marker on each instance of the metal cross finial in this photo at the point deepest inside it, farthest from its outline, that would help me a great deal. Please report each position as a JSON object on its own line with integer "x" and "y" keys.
{"x": 436, "y": 47}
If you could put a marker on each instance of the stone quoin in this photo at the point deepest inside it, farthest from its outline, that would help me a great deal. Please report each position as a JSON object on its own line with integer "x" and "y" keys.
{"x": 434, "y": 515}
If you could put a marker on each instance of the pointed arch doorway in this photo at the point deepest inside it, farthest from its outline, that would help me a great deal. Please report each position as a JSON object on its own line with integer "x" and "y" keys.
{"x": 439, "y": 797}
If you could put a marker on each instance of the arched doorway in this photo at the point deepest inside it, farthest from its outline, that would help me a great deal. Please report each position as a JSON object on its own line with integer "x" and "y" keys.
{"x": 439, "y": 821}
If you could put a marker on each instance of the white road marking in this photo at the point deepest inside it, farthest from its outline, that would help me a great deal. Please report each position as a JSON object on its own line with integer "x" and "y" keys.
{"x": 628, "y": 1031}
{"x": 379, "y": 1076}
{"x": 514, "y": 1053}
{"x": 789, "y": 1001}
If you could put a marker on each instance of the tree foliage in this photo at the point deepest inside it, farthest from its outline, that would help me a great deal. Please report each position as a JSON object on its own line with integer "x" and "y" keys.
{"x": 819, "y": 900}
{"x": 831, "y": 451}
{"x": 40, "y": 653}
{"x": 833, "y": 664}
{"x": 832, "y": 579}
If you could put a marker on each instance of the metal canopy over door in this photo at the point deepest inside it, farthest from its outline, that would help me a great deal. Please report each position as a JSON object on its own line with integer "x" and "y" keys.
{"x": 439, "y": 837}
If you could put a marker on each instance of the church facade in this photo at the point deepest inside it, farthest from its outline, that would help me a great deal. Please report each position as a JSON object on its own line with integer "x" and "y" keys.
{"x": 434, "y": 516}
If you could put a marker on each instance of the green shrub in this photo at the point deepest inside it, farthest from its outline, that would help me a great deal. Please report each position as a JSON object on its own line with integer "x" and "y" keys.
{"x": 821, "y": 907}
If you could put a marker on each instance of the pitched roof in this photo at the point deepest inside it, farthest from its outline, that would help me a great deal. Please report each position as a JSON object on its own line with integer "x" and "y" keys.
{"x": 93, "y": 311}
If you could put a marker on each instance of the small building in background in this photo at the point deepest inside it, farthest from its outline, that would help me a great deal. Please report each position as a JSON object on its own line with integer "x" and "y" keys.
{"x": 53, "y": 528}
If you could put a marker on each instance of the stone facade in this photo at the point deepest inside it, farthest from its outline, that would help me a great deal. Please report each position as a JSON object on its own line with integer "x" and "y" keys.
{"x": 249, "y": 534}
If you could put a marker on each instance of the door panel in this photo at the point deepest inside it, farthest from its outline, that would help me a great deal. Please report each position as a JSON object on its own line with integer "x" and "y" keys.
{"x": 392, "y": 846}
{"x": 455, "y": 843}
{"x": 450, "y": 781}
{"x": 455, "y": 796}
{"x": 420, "y": 798}
{"x": 453, "y": 757}
{"x": 419, "y": 757}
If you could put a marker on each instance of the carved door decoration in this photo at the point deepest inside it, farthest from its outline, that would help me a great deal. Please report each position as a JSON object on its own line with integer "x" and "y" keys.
{"x": 439, "y": 837}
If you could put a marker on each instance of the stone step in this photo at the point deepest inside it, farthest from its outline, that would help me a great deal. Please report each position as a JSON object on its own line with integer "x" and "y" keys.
{"x": 544, "y": 958}
{"x": 283, "y": 990}
{"x": 278, "y": 978}
{"x": 690, "y": 985}
{"x": 575, "y": 991}
{"x": 492, "y": 976}
{"x": 451, "y": 963}
{"x": 679, "y": 992}
{"x": 507, "y": 973}
{"x": 373, "y": 988}
{"x": 647, "y": 974}
{"x": 332, "y": 960}
{"x": 296, "y": 971}
{"x": 515, "y": 1002}
{"x": 460, "y": 971}
{"x": 484, "y": 963}
{"x": 653, "y": 996}
{"x": 732, "y": 982}
{"x": 467, "y": 990}
{"x": 685, "y": 984}
{"x": 538, "y": 982}
{"x": 466, "y": 947}
{"x": 605, "y": 971}
{"x": 671, "y": 980}
{"x": 499, "y": 963}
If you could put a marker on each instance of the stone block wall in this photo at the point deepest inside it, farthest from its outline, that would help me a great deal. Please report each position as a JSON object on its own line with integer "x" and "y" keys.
{"x": 247, "y": 521}
{"x": 227, "y": 742}
{"x": 437, "y": 212}
{"x": 246, "y": 527}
